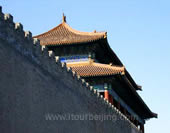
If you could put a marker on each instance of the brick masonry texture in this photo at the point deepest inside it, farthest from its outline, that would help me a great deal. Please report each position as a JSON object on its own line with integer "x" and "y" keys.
{"x": 33, "y": 84}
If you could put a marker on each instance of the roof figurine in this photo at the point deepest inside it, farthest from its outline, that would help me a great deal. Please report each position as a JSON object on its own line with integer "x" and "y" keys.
{"x": 64, "y": 18}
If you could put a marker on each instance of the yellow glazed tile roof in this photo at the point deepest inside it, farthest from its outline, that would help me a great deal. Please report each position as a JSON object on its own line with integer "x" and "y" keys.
{"x": 90, "y": 68}
{"x": 64, "y": 34}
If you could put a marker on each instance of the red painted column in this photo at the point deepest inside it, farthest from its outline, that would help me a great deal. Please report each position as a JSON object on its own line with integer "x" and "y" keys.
{"x": 106, "y": 94}
{"x": 111, "y": 99}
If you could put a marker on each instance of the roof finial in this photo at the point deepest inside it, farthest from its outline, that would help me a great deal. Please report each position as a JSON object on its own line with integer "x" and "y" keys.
{"x": 64, "y": 18}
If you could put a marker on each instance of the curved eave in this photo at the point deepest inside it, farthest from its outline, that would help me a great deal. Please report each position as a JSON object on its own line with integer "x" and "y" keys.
{"x": 149, "y": 114}
{"x": 155, "y": 115}
{"x": 69, "y": 43}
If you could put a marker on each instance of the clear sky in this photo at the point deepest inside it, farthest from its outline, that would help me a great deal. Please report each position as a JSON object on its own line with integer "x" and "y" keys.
{"x": 138, "y": 31}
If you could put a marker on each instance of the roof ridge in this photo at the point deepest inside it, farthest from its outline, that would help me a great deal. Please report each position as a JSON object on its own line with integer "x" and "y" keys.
{"x": 81, "y": 32}
{"x": 91, "y": 62}
{"x": 107, "y": 65}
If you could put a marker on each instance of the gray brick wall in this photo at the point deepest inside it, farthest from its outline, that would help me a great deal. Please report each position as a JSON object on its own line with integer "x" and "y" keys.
{"x": 33, "y": 86}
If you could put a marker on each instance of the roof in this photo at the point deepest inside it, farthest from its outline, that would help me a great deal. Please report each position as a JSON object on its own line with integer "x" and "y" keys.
{"x": 64, "y": 34}
{"x": 90, "y": 68}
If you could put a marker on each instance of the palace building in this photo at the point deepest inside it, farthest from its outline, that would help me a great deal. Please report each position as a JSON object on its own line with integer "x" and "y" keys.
{"x": 89, "y": 55}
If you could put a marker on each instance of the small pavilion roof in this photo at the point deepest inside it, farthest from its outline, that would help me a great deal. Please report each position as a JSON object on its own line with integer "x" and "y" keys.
{"x": 64, "y": 34}
{"x": 90, "y": 69}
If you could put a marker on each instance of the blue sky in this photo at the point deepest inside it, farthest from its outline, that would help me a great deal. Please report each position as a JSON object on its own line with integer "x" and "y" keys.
{"x": 138, "y": 31}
